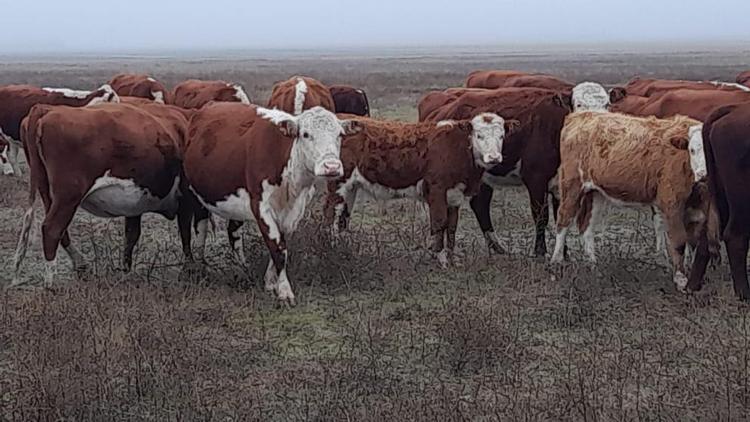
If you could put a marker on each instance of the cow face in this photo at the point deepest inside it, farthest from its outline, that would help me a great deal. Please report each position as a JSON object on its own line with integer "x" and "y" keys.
{"x": 105, "y": 94}
{"x": 590, "y": 96}
{"x": 697, "y": 156}
{"x": 487, "y": 136}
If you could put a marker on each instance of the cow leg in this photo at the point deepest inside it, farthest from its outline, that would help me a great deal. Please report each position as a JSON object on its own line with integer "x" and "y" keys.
{"x": 480, "y": 204}
{"x": 737, "y": 247}
{"x": 23, "y": 245}
{"x": 588, "y": 223}
{"x": 13, "y": 149}
{"x": 438, "y": 201}
{"x": 201, "y": 231}
{"x": 236, "y": 244}
{"x": 79, "y": 263}
{"x": 453, "y": 213}
{"x": 538, "y": 199}
{"x": 275, "y": 277}
{"x": 184, "y": 219}
{"x": 569, "y": 207}
{"x": 132, "y": 234}
{"x": 5, "y": 162}
{"x": 700, "y": 263}
{"x": 677, "y": 239}
{"x": 659, "y": 232}
{"x": 54, "y": 228}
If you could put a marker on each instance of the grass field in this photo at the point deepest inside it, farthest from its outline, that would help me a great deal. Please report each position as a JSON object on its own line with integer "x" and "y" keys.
{"x": 380, "y": 333}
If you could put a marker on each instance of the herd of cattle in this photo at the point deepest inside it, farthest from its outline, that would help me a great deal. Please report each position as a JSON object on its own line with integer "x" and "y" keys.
{"x": 131, "y": 147}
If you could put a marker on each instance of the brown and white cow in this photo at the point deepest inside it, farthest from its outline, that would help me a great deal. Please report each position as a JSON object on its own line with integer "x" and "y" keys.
{"x": 300, "y": 93}
{"x": 651, "y": 87}
{"x": 744, "y": 78}
{"x": 268, "y": 161}
{"x": 434, "y": 100}
{"x": 113, "y": 160}
{"x": 530, "y": 155}
{"x": 350, "y": 100}
{"x": 726, "y": 141}
{"x": 438, "y": 163}
{"x": 142, "y": 86}
{"x": 194, "y": 93}
{"x": 696, "y": 104}
{"x": 629, "y": 160}
{"x": 17, "y": 100}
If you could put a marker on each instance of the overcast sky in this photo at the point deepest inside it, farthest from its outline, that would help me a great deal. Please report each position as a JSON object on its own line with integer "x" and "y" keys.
{"x": 128, "y": 25}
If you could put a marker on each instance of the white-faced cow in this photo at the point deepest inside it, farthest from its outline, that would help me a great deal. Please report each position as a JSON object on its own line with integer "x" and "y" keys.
{"x": 243, "y": 162}
{"x": 141, "y": 86}
{"x": 194, "y": 93}
{"x": 17, "y": 100}
{"x": 300, "y": 93}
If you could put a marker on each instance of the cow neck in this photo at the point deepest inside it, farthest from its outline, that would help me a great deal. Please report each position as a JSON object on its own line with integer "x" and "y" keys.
{"x": 295, "y": 177}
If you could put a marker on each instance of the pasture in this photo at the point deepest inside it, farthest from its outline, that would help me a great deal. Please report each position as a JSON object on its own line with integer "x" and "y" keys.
{"x": 379, "y": 331}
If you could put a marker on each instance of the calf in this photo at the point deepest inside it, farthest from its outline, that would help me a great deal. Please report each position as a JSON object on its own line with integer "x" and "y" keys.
{"x": 348, "y": 99}
{"x": 726, "y": 142}
{"x": 630, "y": 161}
{"x": 268, "y": 161}
{"x": 142, "y": 86}
{"x": 194, "y": 93}
{"x": 530, "y": 155}
{"x": 17, "y": 100}
{"x": 300, "y": 93}
{"x": 113, "y": 160}
{"x": 437, "y": 163}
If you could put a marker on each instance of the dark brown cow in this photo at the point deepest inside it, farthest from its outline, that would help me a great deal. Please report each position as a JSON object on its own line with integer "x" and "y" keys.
{"x": 744, "y": 78}
{"x": 439, "y": 164}
{"x": 348, "y": 99}
{"x": 194, "y": 93}
{"x": 530, "y": 156}
{"x": 243, "y": 162}
{"x": 17, "y": 100}
{"x": 623, "y": 102}
{"x": 490, "y": 79}
{"x": 300, "y": 93}
{"x": 726, "y": 143}
{"x": 435, "y": 99}
{"x": 113, "y": 160}
{"x": 505, "y": 79}
{"x": 691, "y": 103}
{"x": 143, "y": 86}
{"x": 650, "y": 87}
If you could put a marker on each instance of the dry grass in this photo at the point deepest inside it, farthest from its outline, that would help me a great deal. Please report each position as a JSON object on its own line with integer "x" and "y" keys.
{"x": 380, "y": 333}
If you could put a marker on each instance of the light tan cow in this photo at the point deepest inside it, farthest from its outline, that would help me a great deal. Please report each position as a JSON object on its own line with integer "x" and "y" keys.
{"x": 631, "y": 160}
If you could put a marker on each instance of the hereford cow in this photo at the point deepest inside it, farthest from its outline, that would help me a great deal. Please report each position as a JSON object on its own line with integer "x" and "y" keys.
{"x": 726, "y": 141}
{"x": 142, "y": 86}
{"x": 530, "y": 155}
{"x": 348, "y": 99}
{"x": 650, "y": 87}
{"x": 590, "y": 96}
{"x": 17, "y": 100}
{"x": 300, "y": 93}
{"x": 268, "y": 161}
{"x": 113, "y": 160}
{"x": 438, "y": 163}
{"x": 194, "y": 93}
{"x": 630, "y": 161}
{"x": 623, "y": 102}
{"x": 434, "y": 100}
{"x": 744, "y": 78}
{"x": 695, "y": 104}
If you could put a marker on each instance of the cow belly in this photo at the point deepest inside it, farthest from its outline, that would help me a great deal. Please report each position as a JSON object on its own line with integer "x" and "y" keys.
{"x": 382, "y": 192}
{"x": 511, "y": 178}
{"x": 590, "y": 186}
{"x": 114, "y": 197}
{"x": 235, "y": 206}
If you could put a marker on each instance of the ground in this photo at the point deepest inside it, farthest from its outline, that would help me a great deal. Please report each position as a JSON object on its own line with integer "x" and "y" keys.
{"x": 380, "y": 333}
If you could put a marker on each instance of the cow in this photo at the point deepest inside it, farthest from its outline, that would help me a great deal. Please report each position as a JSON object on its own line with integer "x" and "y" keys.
{"x": 590, "y": 96}
{"x": 194, "y": 93}
{"x": 350, "y": 100}
{"x": 629, "y": 160}
{"x": 744, "y": 78}
{"x": 650, "y": 87}
{"x": 530, "y": 155}
{"x": 112, "y": 160}
{"x": 687, "y": 102}
{"x": 436, "y": 99}
{"x": 143, "y": 86}
{"x": 621, "y": 101}
{"x": 438, "y": 163}
{"x": 268, "y": 161}
{"x": 506, "y": 79}
{"x": 726, "y": 142}
{"x": 300, "y": 93}
{"x": 17, "y": 100}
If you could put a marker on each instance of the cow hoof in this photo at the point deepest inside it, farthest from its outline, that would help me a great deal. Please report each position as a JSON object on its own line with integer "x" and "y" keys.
{"x": 286, "y": 295}
{"x": 681, "y": 282}
{"x": 443, "y": 260}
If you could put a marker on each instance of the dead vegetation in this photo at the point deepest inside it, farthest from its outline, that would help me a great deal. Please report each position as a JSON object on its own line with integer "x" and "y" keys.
{"x": 379, "y": 333}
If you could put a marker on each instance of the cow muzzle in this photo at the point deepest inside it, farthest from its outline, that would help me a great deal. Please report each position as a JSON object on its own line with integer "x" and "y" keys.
{"x": 330, "y": 168}
{"x": 492, "y": 158}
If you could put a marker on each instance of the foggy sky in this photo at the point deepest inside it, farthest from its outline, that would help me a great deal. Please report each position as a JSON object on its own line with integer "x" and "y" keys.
{"x": 132, "y": 25}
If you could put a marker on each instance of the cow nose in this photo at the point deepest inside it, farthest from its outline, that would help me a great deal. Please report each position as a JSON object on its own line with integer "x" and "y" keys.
{"x": 493, "y": 158}
{"x": 332, "y": 168}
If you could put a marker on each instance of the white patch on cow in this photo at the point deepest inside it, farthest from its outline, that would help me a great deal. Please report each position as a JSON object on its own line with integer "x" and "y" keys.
{"x": 731, "y": 84}
{"x": 697, "y": 155}
{"x": 455, "y": 196}
{"x": 284, "y": 288}
{"x": 444, "y": 123}
{"x": 680, "y": 281}
{"x": 274, "y": 115}
{"x": 235, "y": 206}
{"x": 270, "y": 276}
{"x": 282, "y": 211}
{"x": 69, "y": 93}
{"x": 513, "y": 178}
{"x": 201, "y": 229}
{"x": 108, "y": 96}
{"x": 442, "y": 258}
{"x": 150, "y": 79}
{"x": 158, "y": 96}
{"x": 299, "y": 95}
{"x": 379, "y": 192}
{"x": 557, "y": 255}
{"x": 590, "y": 96}
{"x": 50, "y": 270}
{"x": 359, "y": 91}
{"x": 5, "y": 162}
{"x": 240, "y": 94}
{"x": 487, "y": 136}
{"x": 115, "y": 197}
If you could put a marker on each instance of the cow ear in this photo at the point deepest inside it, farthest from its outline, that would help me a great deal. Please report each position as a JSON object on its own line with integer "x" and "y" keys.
{"x": 288, "y": 128}
{"x": 352, "y": 126}
{"x": 679, "y": 142}
{"x": 564, "y": 101}
{"x": 512, "y": 126}
{"x": 617, "y": 94}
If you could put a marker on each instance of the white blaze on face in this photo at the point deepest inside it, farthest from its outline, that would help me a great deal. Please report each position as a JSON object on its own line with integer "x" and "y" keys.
{"x": 487, "y": 139}
{"x": 697, "y": 155}
{"x": 590, "y": 96}
{"x": 299, "y": 95}
{"x": 240, "y": 94}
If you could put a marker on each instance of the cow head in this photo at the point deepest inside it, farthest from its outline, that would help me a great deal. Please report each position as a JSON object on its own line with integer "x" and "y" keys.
{"x": 590, "y": 96}
{"x": 617, "y": 94}
{"x": 693, "y": 143}
{"x": 488, "y": 131}
{"x": 105, "y": 94}
{"x": 317, "y": 137}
